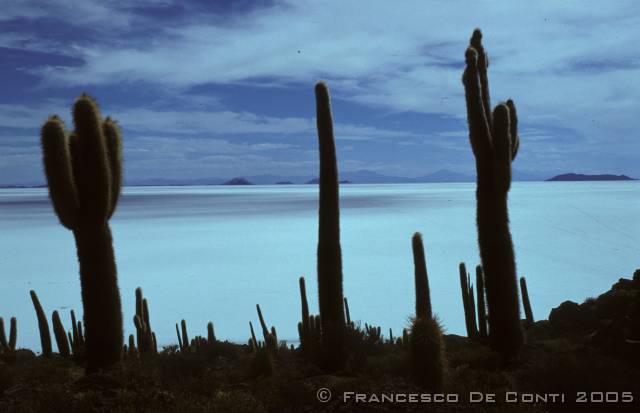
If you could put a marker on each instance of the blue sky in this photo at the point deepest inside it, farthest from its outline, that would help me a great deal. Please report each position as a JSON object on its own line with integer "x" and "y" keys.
{"x": 223, "y": 89}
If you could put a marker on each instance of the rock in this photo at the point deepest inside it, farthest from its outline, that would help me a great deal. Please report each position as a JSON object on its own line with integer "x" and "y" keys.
{"x": 615, "y": 304}
{"x": 571, "y": 316}
{"x": 624, "y": 284}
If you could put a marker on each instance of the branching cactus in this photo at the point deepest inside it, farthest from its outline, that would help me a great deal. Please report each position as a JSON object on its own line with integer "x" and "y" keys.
{"x": 84, "y": 174}
{"x": 144, "y": 334}
{"x": 494, "y": 140}
{"x": 329, "y": 251}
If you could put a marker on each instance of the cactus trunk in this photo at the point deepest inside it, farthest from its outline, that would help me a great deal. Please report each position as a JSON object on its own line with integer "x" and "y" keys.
{"x": 494, "y": 141}
{"x": 423, "y": 298}
{"x": 329, "y": 251}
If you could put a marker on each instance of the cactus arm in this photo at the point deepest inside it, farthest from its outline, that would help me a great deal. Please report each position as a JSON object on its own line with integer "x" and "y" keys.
{"x": 94, "y": 186}
{"x": 114, "y": 151}
{"x": 501, "y": 148}
{"x": 59, "y": 171}
{"x": 513, "y": 123}
{"x": 185, "y": 336}
{"x": 479, "y": 129}
{"x": 3, "y": 337}
{"x": 483, "y": 65}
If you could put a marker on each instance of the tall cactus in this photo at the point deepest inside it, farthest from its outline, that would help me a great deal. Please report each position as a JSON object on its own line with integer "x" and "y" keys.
{"x": 525, "y": 302}
{"x": 43, "y": 325}
{"x": 84, "y": 174}
{"x": 329, "y": 251}
{"x": 423, "y": 297}
{"x": 494, "y": 140}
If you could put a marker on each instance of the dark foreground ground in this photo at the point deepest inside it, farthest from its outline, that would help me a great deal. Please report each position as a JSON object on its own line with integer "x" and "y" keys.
{"x": 584, "y": 352}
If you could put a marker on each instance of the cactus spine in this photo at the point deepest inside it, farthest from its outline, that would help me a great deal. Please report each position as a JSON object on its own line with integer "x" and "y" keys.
{"x": 525, "y": 302}
{"x": 43, "y": 325}
{"x": 426, "y": 346}
{"x": 423, "y": 298}
{"x": 329, "y": 251}
{"x": 60, "y": 335}
{"x": 494, "y": 140}
{"x": 482, "y": 308}
{"x": 84, "y": 174}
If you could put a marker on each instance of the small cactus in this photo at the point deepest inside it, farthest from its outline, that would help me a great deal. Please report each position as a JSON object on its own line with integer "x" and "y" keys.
{"x": 8, "y": 346}
{"x": 60, "y": 335}
{"x": 254, "y": 341}
{"x": 525, "y": 302}
{"x": 346, "y": 311}
{"x": 180, "y": 344}
{"x": 211, "y": 336}
{"x": 482, "y": 309}
{"x": 469, "y": 310}
{"x": 43, "y": 325}
{"x": 141, "y": 321}
{"x": 185, "y": 336}
{"x": 426, "y": 347}
{"x": 423, "y": 298}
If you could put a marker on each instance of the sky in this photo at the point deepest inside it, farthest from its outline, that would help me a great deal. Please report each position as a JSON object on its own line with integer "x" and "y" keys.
{"x": 225, "y": 88}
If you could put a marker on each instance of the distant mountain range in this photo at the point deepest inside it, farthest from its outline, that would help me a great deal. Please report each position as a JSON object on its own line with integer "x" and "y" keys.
{"x": 583, "y": 177}
{"x": 363, "y": 176}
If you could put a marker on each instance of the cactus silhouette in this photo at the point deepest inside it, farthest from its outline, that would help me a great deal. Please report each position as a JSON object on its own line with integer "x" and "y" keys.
{"x": 211, "y": 335}
{"x": 423, "y": 298}
{"x": 482, "y": 309}
{"x": 426, "y": 346}
{"x": 84, "y": 175}
{"x": 43, "y": 325}
{"x": 494, "y": 141}
{"x": 180, "y": 344}
{"x": 141, "y": 321}
{"x": 60, "y": 335}
{"x": 469, "y": 310}
{"x": 8, "y": 346}
{"x": 525, "y": 302}
{"x": 329, "y": 251}
{"x": 304, "y": 304}
{"x": 254, "y": 341}
{"x": 185, "y": 336}
{"x": 347, "y": 314}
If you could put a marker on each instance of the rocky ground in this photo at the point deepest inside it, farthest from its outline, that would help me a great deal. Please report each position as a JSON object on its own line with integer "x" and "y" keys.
{"x": 585, "y": 352}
